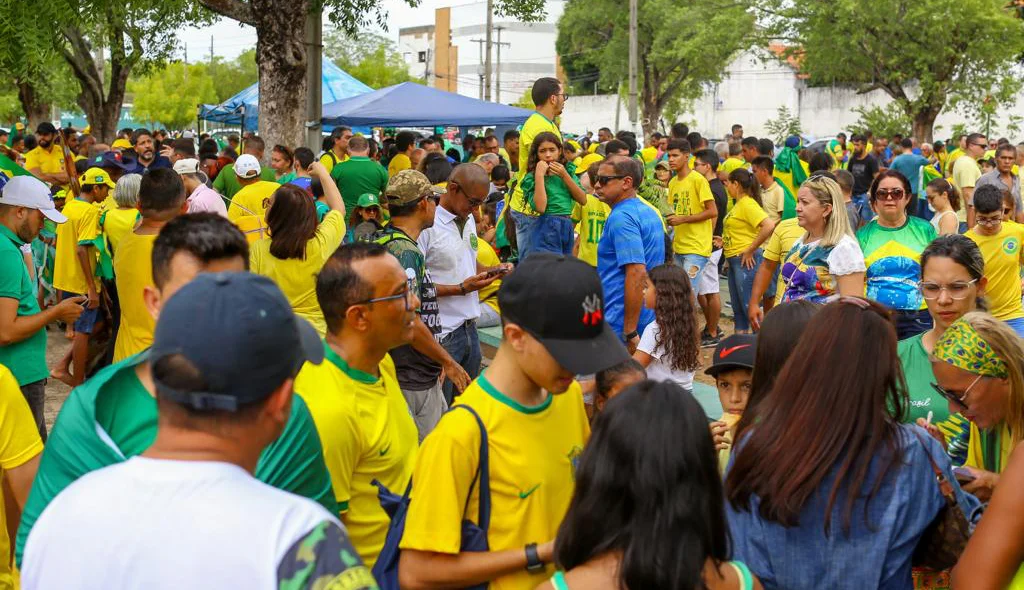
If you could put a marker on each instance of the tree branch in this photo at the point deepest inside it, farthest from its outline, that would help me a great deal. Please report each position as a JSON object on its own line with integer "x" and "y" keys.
{"x": 79, "y": 58}
{"x": 238, "y": 10}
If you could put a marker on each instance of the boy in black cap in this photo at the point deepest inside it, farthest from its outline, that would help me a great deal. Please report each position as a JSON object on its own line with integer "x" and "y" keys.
{"x": 532, "y": 410}
{"x": 733, "y": 368}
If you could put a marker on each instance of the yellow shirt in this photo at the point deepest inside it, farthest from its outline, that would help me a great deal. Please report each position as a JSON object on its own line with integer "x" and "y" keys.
{"x": 82, "y": 227}
{"x": 398, "y": 163}
{"x": 133, "y": 272}
{"x": 1003, "y": 256}
{"x": 965, "y": 175}
{"x": 19, "y": 444}
{"x": 486, "y": 256}
{"x": 367, "y": 433}
{"x": 688, "y": 197}
{"x": 741, "y": 225}
{"x": 590, "y": 219}
{"x": 108, "y": 204}
{"x": 117, "y": 223}
{"x": 248, "y": 208}
{"x": 732, "y": 163}
{"x": 297, "y": 277}
{"x": 534, "y": 126}
{"x": 49, "y": 161}
{"x": 533, "y": 452}
{"x": 649, "y": 154}
{"x": 329, "y": 162}
{"x": 786, "y": 234}
{"x": 773, "y": 201}
{"x": 975, "y": 457}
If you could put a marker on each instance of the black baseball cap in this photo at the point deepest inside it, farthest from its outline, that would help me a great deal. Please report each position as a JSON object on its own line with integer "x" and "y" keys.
{"x": 240, "y": 332}
{"x": 733, "y": 352}
{"x": 45, "y": 127}
{"x": 560, "y": 302}
{"x": 109, "y": 160}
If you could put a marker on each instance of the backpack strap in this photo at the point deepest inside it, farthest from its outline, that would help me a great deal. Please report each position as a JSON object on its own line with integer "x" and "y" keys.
{"x": 483, "y": 472}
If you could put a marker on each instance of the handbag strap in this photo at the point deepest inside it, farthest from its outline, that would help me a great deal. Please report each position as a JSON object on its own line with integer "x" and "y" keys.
{"x": 945, "y": 488}
{"x": 483, "y": 471}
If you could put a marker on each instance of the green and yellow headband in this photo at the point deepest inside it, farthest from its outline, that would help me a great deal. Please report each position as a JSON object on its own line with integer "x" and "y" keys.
{"x": 962, "y": 347}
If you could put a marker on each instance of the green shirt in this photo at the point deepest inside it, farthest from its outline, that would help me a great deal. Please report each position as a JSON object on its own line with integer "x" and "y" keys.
{"x": 111, "y": 418}
{"x": 559, "y": 198}
{"x": 357, "y": 176}
{"x": 26, "y": 359}
{"x": 917, "y": 369}
{"x": 287, "y": 178}
{"x": 227, "y": 183}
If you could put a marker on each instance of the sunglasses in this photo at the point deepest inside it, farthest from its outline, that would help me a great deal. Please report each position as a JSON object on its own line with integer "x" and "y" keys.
{"x": 889, "y": 194}
{"x": 981, "y": 145}
{"x": 602, "y": 179}
{"x": 952, "y": 396}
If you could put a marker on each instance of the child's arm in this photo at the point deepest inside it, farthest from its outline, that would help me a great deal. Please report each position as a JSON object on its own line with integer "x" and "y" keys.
{"x": 84, "y": 261}
{"x": 540, "y": 192}
{"x": 574, "y": 189}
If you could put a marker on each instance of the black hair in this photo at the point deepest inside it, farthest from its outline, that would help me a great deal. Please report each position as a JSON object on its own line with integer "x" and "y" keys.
{"x": 709, "y": 157}
{"x": 291, "y": 221}
{"x": 543, "y": 89}
{"x": 606, "y": 379}
{"x": 501, "y": 172}
{"x": 327, "y": 144}
{"x": 304, "y": 156}
{"x": 542, "y": 138}
{"x": 339, "y": 131}
{"x": 626, "y": 167}
{"x": 339, "y": 286}
{"x": 749, "y": 142}
{"x": 184, "y": 147}
{"x": 890, "y": 173}
{"x": 404, "y": 140}
{"x": 695, "y": 139}
{"x": 452, "y": 153}
{"x": 139, "y": 133}
{"x": 510, "y": 134}
{"x": 160, "y": 192}
{"x": 748, "y": 181}
{"x": 630, "y": 140}
{"x": 764, "y": 163}
{"x": 206, "y": 236}
{"x": 208, "y": 149}
{"x": 974, "y": 137}
{"x": 765, "y": 146}
{"x": 663, "y": 511}
{"x": 613, "y": 146}
{"x": 316, "y": 187}
{"x": 858, "y": 137}
{"x": 988, "y": 198}
{"x": 436, "y": 167}
{"x": 820, "y": 162}
{"x": 30, "y": 141}
{"x": 736, "y": 126}
{"x": 958, "y": 248}
{"x": 680, "y": 130}
{"x": 941, "y": 185}
{"x": 907, "y": 143}
{"x": 680, "y": 144}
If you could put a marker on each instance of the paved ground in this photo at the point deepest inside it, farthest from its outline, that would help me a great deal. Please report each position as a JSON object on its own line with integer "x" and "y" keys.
{"x": 56, "y": 392}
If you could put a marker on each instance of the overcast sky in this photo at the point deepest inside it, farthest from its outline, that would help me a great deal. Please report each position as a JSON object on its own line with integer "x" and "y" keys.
{"x": 230, "y": 38}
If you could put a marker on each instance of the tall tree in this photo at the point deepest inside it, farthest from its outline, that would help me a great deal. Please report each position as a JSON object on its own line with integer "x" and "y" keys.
{"x": 927, "y": 55}
{"x": 169, "y": 95}
{"x": 281, "y": 53}
{"x": 232, "y": 76}
{"x": 679, "y": 50}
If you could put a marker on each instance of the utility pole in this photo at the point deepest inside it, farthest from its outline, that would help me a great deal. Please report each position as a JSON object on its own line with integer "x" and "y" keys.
{"x": 186, "y": 63}
{"x": 632, "y": 64}
{"x": 487, "y": 41}
{"x": 480, "y": 69}
{"x": 497, "y": 72}
{"x": 211, "y": 49}
{"x": 314, "y": 78}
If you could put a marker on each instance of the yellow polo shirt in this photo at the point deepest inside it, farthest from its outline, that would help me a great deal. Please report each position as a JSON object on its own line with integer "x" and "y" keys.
{"x": 49, "y": 161}
{"x": 367, "y": 433}
{"x": 82, "y": 227}
{"x": 330, "y": 162}
{"x": 533, "y": 453}
{"x": 398, "y": 163}
{"x": 689, "y": 197}
{"x": 133, "y": 272}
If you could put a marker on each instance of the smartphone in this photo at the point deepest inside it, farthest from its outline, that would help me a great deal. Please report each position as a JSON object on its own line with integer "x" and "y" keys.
{"x": 962, "y": 475}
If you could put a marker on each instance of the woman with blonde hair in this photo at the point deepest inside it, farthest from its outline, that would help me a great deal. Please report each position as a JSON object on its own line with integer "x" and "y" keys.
{"x": 117, "y": 223}
{"x": 823, "y": 263}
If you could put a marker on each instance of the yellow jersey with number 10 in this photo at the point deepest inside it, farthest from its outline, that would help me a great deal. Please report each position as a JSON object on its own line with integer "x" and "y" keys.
{"x": 590, "y": 219}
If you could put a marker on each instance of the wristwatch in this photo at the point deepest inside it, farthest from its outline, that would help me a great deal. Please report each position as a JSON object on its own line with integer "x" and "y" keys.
{"x": 533, "y": 562}
{"x": 631, "y": 335}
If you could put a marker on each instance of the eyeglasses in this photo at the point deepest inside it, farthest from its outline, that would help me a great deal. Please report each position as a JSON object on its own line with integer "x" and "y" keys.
{"x": 890, "y": 194}
{"x": 989, "y": 221}
{"x": 405, "y": 294}
{"x": 952, "y": 396}
{"x": 564, "y": 96}
{"x": 601, "y": 179}
{"x": 958, "y": 290}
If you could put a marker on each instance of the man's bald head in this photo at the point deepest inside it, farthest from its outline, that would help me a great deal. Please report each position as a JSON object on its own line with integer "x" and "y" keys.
{"x": 467, "y": 190}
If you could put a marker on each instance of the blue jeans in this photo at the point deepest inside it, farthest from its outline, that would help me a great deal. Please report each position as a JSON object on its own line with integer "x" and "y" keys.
{"x": 87, "y": 321}
{"x": 911, "y": 323}
{"x": 550, "y": 233}
{"x": 741, "y": 285}
{"x": 864, "y": 206}
{"x": 1017, "y": 325}
{"x": 463, "y": 344}
{"x": 692, "y": 264}
{"x": 525, "y": 225}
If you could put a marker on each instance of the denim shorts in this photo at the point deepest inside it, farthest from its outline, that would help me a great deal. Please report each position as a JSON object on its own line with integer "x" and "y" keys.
{"x": 87, "y": 321}
{"x": 693, "y": 266}
{"x": 552, "y": 233}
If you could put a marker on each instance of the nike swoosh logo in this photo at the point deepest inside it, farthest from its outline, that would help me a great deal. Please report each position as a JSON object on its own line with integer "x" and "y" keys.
{"x": 385, "y": 450}
{"x": 727, "y": 351}
{"x": 526, "y": 494}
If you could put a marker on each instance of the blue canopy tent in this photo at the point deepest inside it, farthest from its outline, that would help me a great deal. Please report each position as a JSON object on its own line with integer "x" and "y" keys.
{"x": 242, "y": 109}
{"x": 414, "y": 105}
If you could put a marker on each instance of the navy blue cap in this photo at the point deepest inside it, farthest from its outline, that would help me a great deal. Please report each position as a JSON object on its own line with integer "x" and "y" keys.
{"x": 239, "y": 331}
{"x": 114, "y": 160}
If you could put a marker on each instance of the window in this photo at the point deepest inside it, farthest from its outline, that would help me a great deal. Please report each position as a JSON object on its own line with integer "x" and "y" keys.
{"x": 422, "y": 57}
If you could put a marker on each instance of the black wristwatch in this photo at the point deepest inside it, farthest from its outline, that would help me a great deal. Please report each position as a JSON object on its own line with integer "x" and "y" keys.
{"x": 533, "y": 562}
{"x": 631, "y": 335}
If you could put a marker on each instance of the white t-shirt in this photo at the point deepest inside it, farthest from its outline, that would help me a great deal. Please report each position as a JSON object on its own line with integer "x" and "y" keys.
{"x": 450, "y": 256}
{"x": 155, "y": 524}
{"x": 660, "y": 368}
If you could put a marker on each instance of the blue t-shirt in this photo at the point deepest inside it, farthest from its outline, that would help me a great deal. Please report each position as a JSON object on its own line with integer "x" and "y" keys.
{"x": 633, "y": 234}
{"x": 303, "y": 182}
{"x": 909, "y": 165}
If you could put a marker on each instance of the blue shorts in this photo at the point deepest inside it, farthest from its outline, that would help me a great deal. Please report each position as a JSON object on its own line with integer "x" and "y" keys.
{"x": 693, "y": 265}
{"x": 87, "y": 321}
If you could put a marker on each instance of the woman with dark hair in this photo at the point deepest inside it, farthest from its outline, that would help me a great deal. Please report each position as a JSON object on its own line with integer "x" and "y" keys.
{"x": 297, "y": 247}
{"x": 827, "y": 488}
{"x": 745, "y": 229}
{"x": 282, "y": 161}
{"x": 944, "y": 201}
{"x": 952, "y": 284}
{"x": 642, "y": 517}
{"x": 892, "y": 244}
{"x": 436, "y": 168}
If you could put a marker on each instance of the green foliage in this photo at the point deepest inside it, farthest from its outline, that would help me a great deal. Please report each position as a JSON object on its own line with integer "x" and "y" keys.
{"x": 169, "y": 95}
{"x": 370, "y": 57}
{"x": 783, "y": 125}
{"x": 231, "y": 77}
{"x": 355, "y": 15}
{"x": 927, "y": 55}
{"x": 882, "y": 121}
{"x": 525, "y": 101}
{"x": 680, "y": 49}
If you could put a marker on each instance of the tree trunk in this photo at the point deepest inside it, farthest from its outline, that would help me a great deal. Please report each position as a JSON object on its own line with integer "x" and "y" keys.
{"x": 924, "y": 123}
{"x": 35, "y": 108}
{"x": 281, "y": 55}
{"x": 102, "y": 107}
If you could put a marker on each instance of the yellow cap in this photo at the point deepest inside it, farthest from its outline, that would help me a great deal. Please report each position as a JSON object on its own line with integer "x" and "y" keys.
{"x": 95, "y": 176}
{"x": 121, "y": 144}
{"x": 87, "y": 130}
{"x": 588, "y": 161}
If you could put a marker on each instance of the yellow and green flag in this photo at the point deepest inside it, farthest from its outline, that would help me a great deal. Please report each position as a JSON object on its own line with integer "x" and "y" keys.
{"x": 10, "y": 168}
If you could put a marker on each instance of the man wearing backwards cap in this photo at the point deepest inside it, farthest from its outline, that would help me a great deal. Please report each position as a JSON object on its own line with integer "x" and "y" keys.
{"x": 254, "y": 196}
{"x": 200, "y": 196}
{"x": 224, "y": 358}
{"x": 23, "y": 204}
{"x": 532, "y": 410}
{"x": 113, "y": 416}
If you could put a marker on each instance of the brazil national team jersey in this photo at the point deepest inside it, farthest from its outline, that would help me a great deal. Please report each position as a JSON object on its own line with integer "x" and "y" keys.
{"x": 590, "y": 219}
{"x": 367, "y": 434}
{"x": 893, "y": 258}
{"x": 533, "y": 452}
{"x": 1003, "y": 256}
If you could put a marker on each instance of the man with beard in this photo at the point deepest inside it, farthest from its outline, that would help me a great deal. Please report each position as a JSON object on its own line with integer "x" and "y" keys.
{"x": 145, "y": 152}
{"x": 46, "y": 161}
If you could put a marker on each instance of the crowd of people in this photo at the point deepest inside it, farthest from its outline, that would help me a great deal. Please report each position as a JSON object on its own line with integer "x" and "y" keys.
{"x": 277, "y": 372}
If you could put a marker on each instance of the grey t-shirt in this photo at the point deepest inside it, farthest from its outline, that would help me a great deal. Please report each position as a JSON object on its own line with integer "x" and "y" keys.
{"x": 993, "y": 179}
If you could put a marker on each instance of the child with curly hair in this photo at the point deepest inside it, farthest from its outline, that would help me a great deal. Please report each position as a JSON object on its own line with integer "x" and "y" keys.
{"x": 670, "y": 346}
